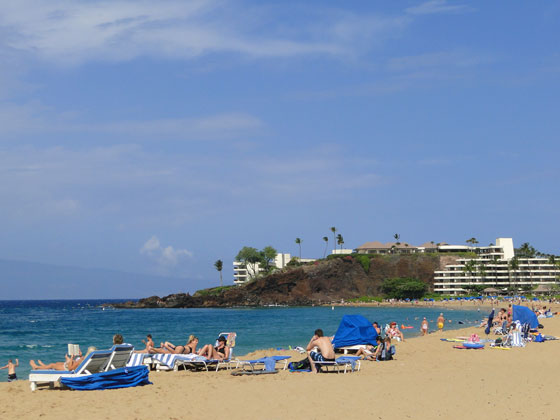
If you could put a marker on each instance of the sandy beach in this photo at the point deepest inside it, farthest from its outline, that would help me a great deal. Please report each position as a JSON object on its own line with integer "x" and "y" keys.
{"x": 429, "y": 379}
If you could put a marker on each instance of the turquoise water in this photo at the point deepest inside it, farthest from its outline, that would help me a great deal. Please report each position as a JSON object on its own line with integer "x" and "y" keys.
{"x": 42, "y": 329}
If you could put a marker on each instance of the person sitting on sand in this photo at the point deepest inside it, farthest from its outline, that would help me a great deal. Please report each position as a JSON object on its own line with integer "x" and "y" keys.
{"x": 325, "y": 347}
{"x": 219, "y": 352}
{"x": 394, "y": 332}
{"x": 188, "y": 348}
{"x": 440, "y": 322}
{"x": 69, "y": 364}
{"x": 11, "y": 366}
{"x": 424, "y": 326}
{"x": 384, "y": 351}
{"x": 377, "y": 328}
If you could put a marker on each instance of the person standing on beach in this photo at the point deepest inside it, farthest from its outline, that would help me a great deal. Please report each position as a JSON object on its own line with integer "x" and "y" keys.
{"x": 440, "y": 322}
{"x": 424, "y": 326}
{"x": 11, "y": 366}
{"x": 325, "y": 347}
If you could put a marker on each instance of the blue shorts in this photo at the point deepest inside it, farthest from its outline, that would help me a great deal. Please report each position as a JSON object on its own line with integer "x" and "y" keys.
{"x": 318, "y": 357}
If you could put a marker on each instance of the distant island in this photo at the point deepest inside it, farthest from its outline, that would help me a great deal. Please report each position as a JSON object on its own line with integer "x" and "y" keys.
{"x": 341, "y": 277}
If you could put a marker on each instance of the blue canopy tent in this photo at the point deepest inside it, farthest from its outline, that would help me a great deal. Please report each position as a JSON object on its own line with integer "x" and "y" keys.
{"x": 354, "y": 330}
{"x": 525, "y": 316}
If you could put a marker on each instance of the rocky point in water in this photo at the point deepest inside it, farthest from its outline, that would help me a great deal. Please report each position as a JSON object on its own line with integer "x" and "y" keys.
{"x": 320, "y": 282}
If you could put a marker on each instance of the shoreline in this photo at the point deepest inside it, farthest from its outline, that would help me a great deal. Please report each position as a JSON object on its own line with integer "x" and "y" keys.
{"x": 427, "y": 379}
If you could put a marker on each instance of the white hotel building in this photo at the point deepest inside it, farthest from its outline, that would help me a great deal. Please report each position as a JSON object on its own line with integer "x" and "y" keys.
{"x": 243, "y": 273}
{"x": 495, "y": 267}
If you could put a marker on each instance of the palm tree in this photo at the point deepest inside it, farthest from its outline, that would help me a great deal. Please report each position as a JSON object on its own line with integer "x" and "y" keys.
{"x": 340, "y": 240}
{"x": 219, "y": 265}
{"x": 397, "y": 237}
{"x": 298, "y": 241}
{"x": 333, "y": 230}
{"x": 326, "y": 239}
{"x": 513, "y": 265}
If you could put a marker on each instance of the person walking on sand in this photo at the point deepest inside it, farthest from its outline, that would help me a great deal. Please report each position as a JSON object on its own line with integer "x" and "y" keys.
{"x": 11, "y": 366}
{"x": 325, "y": 347}
{"x": 424, "y": 326}
{"x": 440, "y": 322}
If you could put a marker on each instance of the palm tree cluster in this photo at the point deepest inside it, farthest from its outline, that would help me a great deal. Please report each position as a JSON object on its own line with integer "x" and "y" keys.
{"x": 338, "y": 240}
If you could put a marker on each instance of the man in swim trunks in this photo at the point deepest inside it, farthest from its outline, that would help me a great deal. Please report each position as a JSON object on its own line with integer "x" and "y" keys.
{"x": 11, "y": 370}
{"x": 440, "y": 322}
{"x": 325, "y": 351}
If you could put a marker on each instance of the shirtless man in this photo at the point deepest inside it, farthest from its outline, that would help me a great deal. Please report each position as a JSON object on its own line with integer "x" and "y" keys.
{"x": 440, "y": 322}
{"x": 325, "y": 353}
{"x": 11, "y": 370}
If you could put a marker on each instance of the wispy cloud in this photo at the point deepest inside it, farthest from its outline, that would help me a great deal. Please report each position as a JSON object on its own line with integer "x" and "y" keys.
{"x": 132, "y": 187}
{"x": 33, "y": 118}
{"x": 437, "y": 6}
{"x": 69, "y": 32}
{"x": 164, "y": 255}
{"x": 438, "y": 59}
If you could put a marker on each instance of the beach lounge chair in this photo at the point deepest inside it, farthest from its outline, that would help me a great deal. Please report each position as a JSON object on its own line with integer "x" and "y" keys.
{"x": 502, "y": 329}
{"x": 94, "y": 362}
{"x": 137, "y": 359}
{"x": 205, "y": 364}
{"x": 261, "y": 364}
{"x": 349, "y": 363}
{"x": 120, "y": 355}
{"x": 169, "y": 361}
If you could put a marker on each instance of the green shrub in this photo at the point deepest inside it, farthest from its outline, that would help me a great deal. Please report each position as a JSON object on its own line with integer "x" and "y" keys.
{"x": 213, "y": 291}
{"x": 364, "y": 261}
{"x": 366, "y": 299}
{"x": 402, "y": 288}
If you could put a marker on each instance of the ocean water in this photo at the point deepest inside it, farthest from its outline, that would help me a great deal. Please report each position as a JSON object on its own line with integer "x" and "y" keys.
{"x": 42, "y": 329}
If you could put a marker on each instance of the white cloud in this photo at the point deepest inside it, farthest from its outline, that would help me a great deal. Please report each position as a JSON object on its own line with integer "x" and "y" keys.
{"x": 437, "y": 6}
{"x": 34, "y": 118}
{"x": 436, "y": 59}
{"x": 166, "y": 256}
{"x": 71, "y": 32}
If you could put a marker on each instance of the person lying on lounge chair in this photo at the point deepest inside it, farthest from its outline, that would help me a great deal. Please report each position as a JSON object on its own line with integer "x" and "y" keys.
{"x": 369, "y": 351}
{"x": 325, "y": 347}
{"x": 219, "y": 352}
{"x": 170, "y": 348}
{"x": 69, "y": 364}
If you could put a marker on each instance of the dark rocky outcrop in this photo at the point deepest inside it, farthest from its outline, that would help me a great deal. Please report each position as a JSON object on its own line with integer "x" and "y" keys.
{"x": 322, "y": 282}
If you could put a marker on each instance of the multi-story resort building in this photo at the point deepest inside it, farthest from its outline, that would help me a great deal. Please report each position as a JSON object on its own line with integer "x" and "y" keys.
{"x": 242, "y": 272}
{"x": 496, "y": 268}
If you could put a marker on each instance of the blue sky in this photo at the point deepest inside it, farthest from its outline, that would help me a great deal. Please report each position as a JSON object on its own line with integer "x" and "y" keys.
{"x": 157, "y": 137}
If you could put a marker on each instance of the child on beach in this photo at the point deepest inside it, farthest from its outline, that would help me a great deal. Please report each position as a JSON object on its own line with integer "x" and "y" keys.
{"x": 11, "y": 370}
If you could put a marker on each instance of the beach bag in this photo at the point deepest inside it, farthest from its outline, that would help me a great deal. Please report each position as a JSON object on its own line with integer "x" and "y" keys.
{"x": 539, "y": 339}
{"x": 474, "y": 338}
{"x": 301, "y": 365}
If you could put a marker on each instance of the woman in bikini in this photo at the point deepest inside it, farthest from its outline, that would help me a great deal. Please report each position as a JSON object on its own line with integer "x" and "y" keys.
{"x": 220, "y": 352}
{"x": 188, "y": 348}
{"x": 69, "y": 364}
